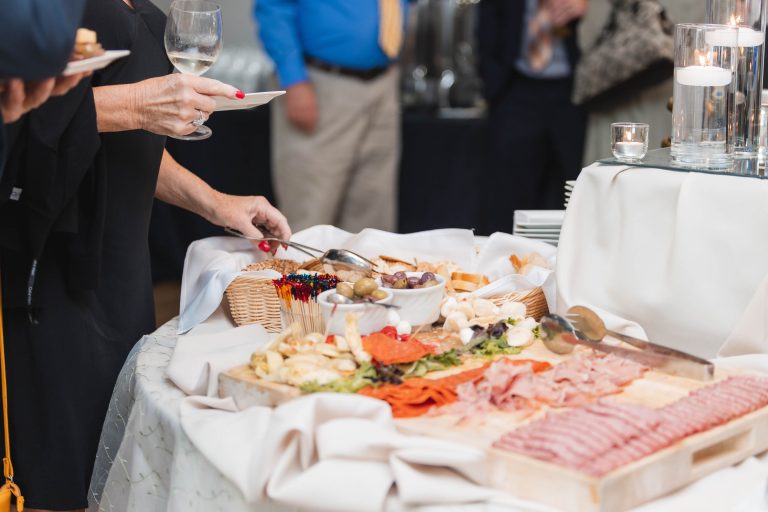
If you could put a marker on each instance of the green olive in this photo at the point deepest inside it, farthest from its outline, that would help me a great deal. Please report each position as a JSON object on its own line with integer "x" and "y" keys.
{"x": 365, "y": 287}
{"x": 400, "y": 284}
{"x": 379, "y": 294}
{"x": 346, "y": 290}
{"x": 431, "y": 282}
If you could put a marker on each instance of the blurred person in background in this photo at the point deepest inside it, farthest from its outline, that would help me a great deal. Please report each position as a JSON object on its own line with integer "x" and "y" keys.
{"x": 527, "y": 56}
{"x": 336, "y": 134}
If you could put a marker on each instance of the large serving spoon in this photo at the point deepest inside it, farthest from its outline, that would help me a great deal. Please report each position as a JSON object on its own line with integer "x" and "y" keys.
{"x": 338, "y": 259}
{"x": 590, "y": 326}
{"x": 559, "y": 334}
{"x": 337, "y": 298}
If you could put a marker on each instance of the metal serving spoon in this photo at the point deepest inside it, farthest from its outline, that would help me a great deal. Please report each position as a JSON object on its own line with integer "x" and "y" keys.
{"x": 558, "y": 334}
{"x": 590, "y": 326}
{"x": 338, "y": 259}
{"x": 337, "y": 298}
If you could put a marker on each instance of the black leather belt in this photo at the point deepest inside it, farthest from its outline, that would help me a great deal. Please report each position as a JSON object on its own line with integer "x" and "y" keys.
{"x": 360, "y": 74}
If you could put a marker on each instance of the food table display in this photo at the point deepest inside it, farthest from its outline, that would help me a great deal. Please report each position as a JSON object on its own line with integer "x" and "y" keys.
{"x": 490, "y": 404}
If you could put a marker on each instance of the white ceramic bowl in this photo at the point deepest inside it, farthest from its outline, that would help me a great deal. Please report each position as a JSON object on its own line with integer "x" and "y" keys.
{"x": 370, "y": 317}
{"x": 418, "y": 306}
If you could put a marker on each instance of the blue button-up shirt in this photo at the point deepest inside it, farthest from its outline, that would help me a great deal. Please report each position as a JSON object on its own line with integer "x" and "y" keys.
{"x": 341, "y": 32}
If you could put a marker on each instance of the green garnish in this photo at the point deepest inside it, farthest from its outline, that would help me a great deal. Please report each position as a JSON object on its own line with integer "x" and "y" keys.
{"x": 362, "y": 377}
{"x": 431, "y": 363}
{"x": 511, "y": 321}
{"x": 536, "y": 331}
{"x": 494, "y": 347}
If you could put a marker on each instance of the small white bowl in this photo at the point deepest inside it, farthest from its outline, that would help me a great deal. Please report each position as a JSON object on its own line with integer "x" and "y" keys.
{"x": 370, "y": 318}
{"x": 418, "y": 306}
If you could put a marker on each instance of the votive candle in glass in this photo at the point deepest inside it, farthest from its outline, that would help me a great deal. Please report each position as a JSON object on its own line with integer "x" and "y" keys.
{"x": 703, "y": 77}
{"x": 629, "y": 141}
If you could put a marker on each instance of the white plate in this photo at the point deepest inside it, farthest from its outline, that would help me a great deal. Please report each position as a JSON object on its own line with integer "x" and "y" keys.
{"x": 518, "y": 229}
{"x": 532, "y": 218}
{"x": 94, "y": 63}
{"x": 251, "y": 100}
{"x": 553, "y": 236}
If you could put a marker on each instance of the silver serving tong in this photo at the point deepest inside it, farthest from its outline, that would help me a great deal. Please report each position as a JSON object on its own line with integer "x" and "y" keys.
{"x": 560, "y": 337}
{"x": 336, "y": 258}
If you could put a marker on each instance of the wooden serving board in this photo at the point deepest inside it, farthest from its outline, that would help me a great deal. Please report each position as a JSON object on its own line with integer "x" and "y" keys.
{"x": 628, "y": 486}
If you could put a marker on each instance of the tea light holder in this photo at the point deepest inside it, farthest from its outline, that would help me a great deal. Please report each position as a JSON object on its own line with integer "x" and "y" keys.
{"x": 702, "y": 88}
{"x": 629, "y": 141}
{"x": 748, "y": 18}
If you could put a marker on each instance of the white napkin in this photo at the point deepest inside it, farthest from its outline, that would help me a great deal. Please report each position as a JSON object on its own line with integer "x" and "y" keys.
{"x": 199, "y": 358}
{"x": 330, "y": 452}
{"x": 493, "y": 261}
{"x": 681, "y": 254}
{"x": 751, "y": 333}
{"x": 210, "y": 266}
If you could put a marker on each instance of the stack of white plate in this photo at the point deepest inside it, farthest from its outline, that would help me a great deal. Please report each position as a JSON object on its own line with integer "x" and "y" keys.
{"x": 568, "y": 190}
{"x": 541, "y": 225}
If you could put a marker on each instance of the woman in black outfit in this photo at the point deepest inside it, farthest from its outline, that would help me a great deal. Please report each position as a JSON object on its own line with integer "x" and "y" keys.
{"x": 74, "y": 255}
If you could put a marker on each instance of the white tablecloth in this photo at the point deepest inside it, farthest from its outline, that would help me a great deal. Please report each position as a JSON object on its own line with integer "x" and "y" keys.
{"x": 683, "y": 254}
{"x": 146, "y": 463}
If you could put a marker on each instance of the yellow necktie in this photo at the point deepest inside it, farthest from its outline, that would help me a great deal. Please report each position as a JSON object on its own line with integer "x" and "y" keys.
{"x": 390, "y": 27}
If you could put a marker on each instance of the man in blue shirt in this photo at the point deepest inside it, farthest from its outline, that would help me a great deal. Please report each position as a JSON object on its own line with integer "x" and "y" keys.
{"x": 336, "y": 133}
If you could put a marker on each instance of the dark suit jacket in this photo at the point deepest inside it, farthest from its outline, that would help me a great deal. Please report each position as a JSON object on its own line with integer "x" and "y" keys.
{"x": 500, "y": 35}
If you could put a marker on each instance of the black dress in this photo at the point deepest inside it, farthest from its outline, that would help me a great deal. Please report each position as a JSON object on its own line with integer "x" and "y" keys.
{"x": 92, "y": 296}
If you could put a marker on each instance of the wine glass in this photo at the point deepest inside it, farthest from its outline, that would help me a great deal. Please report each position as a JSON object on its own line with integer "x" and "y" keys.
{"x": 193, "y": 43}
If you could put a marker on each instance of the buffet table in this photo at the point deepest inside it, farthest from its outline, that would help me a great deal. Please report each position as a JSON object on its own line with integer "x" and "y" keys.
{"x": 147, "y": 463}
{"x": 641, "y": 245}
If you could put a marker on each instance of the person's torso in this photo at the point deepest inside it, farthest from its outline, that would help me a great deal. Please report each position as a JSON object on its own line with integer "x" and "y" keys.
{"x": 132, "y": 157}
{"x": 342, "y": 32}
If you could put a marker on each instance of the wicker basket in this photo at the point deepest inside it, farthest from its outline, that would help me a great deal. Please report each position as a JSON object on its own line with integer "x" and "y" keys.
{"x": 253, "y": 300}
{"x": 534, "y": 300}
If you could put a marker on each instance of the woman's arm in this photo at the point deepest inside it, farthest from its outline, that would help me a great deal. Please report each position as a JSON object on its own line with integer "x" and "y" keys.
{"x": 179, "y": 187}
{"x": 165, "y": 105}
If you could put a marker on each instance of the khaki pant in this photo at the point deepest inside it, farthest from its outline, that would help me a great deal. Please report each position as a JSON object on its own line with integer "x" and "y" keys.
{"x": 345, "y": 173}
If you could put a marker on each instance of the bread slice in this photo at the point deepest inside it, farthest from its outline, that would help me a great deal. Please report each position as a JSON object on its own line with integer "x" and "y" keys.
{"x": 463, "y": 282}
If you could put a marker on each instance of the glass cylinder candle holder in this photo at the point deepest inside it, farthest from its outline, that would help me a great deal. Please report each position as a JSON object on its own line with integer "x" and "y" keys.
{"x": 629, "y": 141}
{"x": 762, "y": 151}
{"x": 748, "y": 17}
{"x": 703, "y": 77}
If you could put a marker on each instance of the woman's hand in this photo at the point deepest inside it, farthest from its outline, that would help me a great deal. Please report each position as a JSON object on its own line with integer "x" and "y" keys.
{"x": 19, "y": 97}
{"x": 301, "y": 107}
{"x": 245, "y": 213}
{"x": 169, "y": 104}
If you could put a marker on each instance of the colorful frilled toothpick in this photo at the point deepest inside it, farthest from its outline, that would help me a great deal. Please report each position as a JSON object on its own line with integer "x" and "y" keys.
{"x": 298, "y": 299}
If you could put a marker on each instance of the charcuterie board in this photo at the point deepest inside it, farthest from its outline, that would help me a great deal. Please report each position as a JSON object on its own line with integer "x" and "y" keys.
{"x": 630, "y": 485}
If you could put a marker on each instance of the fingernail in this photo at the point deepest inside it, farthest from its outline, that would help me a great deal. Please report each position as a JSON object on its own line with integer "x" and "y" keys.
{"x": 240, "y": 95}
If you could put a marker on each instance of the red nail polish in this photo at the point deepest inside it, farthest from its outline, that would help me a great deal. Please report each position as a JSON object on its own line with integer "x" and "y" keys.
{"x": 240, "y": 95}
{"x": 264, "y": 246}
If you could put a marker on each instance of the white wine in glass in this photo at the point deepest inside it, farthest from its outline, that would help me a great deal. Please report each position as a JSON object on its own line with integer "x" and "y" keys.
{"x": 193, "y": 43}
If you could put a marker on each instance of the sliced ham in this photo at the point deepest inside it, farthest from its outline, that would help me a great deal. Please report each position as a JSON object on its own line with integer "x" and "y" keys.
{"x": 624, "y": 433}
